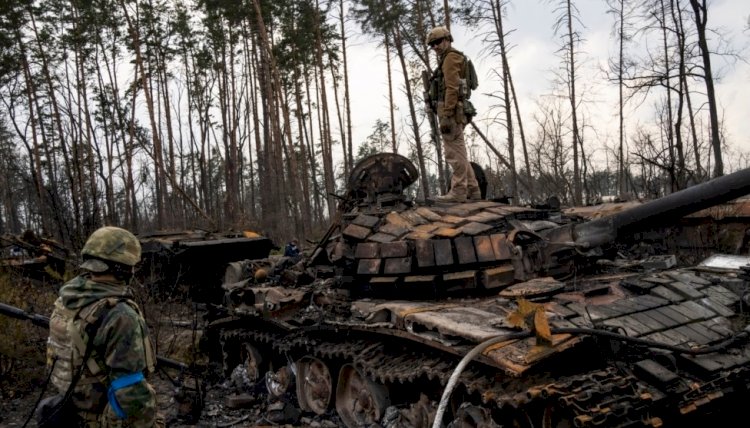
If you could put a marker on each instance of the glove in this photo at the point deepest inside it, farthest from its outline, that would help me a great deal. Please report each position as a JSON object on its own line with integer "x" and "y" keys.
{"x": 446, "y": 125}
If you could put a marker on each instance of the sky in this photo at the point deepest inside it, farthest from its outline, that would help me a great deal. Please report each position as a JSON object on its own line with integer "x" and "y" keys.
{"x": 532, "y": 61}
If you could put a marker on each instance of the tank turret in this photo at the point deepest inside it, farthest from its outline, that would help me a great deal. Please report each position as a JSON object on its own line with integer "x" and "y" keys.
{"x": 383, "y": 243}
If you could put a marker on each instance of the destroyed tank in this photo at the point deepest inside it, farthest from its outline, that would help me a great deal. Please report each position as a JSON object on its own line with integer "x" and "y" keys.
{"x": 484, "y": 314}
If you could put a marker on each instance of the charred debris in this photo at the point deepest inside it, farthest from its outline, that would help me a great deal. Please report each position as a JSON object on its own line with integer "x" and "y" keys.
{"x": 191, "y": 264}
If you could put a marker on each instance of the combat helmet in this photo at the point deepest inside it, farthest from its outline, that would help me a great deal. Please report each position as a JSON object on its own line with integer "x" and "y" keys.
{"x": 437, "y": 33}
{"x": 112, "y": 244}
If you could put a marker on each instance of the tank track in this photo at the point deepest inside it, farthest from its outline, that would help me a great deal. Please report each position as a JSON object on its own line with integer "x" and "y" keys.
{"x": 607, "y": 397}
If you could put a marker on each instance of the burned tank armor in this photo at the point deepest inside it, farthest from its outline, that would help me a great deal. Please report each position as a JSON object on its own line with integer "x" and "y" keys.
{"x": 375, "y": 326}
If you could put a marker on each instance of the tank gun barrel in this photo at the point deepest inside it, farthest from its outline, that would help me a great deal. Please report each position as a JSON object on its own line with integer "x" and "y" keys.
{"x": 659, "y": 211}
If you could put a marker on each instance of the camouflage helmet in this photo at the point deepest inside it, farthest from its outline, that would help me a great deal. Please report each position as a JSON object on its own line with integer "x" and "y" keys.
{"x": 112, "y": 244}
{"x": 437, "y": 33}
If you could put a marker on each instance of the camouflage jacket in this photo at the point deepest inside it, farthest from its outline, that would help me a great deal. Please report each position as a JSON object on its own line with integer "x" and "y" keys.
{"x": 121, "y": 347}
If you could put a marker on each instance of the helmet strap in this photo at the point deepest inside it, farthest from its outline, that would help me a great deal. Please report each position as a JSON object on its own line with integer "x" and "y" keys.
{"x": 122, "y": 272}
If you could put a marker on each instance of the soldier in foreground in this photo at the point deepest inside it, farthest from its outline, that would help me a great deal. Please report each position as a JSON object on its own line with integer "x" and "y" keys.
{"x": 99, "y": 348}
{"x": 450, "y": 95}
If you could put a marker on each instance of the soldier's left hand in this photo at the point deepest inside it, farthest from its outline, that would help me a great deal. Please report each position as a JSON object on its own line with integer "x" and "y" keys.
{"x": 446, "y": 125}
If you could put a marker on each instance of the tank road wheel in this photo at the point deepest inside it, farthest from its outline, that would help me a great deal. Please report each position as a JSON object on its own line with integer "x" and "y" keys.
{"x": 548, "y": 416}
{"x": 471, "y": 416}
{"x": 278, "y": 382}
{"x": 552, "y": 417}
{"x": 252, "y": 360}
{"x": 359, "y": 400}
{"x": 314, "y": 385}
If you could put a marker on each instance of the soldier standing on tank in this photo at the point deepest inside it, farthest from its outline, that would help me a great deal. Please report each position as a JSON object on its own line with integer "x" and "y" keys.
{"x": 95, "y": 316}
{"x": 448, "y": 76}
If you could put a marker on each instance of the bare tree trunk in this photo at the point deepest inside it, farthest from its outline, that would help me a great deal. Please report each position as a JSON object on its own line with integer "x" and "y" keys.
{"x": 88, "y": 145}
{"x": 171, "y": 160}
{"x": 250, "y": 116}
{"x": 312, "y": 156}
{"x": 681, "y": 90}
{"x": 288, "y": 147}
{"x": 621, "y": 100}
{"x": 35, "y": 158}
{"x": 577, "y": 193}
{"x": 75, "y": 189}
{"x": 447, "y": 11}
{"x": 144, "y": 84}
{"x": 415, "y": 125}
{"x": 347, "y": 101}
{"x": 326, "y": 144}
{"x": 228, "y": 135}
{"x": 391, "y": 103}
{"x": 342, "y": 129}
{"x": 275, "y": 145}
{"x": 120, "y": 132}
{"x": 498, "y": 19}
{"x": 529, "y": 178}
{"x": 668, "y": 85}
{"x": 304, "y": 170}
{"x": 701, "y": 18}
{"x": 700, "y": 171}
{"x": 431, "y": 117}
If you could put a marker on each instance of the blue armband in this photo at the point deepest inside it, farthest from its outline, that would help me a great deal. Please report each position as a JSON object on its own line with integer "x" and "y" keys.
{"x": 120, "y": 383}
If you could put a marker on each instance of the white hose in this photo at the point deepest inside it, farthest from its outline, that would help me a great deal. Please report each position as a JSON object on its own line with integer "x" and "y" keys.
{"x": 462, "y": 365}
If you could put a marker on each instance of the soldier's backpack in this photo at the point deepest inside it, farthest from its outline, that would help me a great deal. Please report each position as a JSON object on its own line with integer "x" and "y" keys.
{"x": 472, "y": 82}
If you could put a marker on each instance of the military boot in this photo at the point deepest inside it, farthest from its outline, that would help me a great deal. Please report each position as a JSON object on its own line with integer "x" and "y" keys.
{"x": 452, "y": 196}
{"x": 475, "y": 194}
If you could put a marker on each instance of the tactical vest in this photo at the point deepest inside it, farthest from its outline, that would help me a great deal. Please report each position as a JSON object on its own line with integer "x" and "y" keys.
{"x": 468, "y": 82}
{"x": 68, "y": 338}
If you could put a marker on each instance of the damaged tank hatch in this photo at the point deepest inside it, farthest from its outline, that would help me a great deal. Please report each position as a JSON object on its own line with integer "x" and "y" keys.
{"x": 484, "y": 314}
{"x": 34, "y": 257}
{"x": 196, "y": 260}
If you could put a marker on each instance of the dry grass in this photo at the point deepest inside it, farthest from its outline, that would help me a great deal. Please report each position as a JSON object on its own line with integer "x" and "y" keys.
{"x": 22, "y": 348}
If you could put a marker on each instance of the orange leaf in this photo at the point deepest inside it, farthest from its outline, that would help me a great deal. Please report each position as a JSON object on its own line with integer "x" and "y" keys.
{"x": 541, "y": 327}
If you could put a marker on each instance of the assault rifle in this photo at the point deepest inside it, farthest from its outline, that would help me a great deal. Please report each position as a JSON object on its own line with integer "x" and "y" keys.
{"x": 431, "y": 110}
{"x": 42, "y": 321}
{"x": 431, "y": 105}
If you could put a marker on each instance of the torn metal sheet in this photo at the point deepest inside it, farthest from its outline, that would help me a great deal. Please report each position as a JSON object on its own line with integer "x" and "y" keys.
{"x": 725, "y": 261}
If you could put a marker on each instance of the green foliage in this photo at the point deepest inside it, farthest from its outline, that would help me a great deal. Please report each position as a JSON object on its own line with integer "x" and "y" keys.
{"x": 377, "y": 17}
{"x": 377, "y": 142}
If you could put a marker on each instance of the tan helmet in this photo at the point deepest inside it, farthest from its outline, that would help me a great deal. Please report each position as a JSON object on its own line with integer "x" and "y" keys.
{"x": 436, "y": 33}
{"x": 113, "y": 244}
